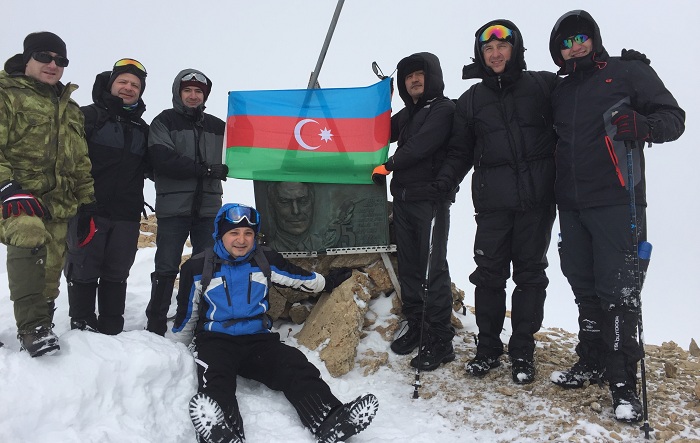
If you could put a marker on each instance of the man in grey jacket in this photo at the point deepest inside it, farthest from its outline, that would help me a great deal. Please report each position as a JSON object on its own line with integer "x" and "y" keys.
{"x": 185, "y": 148}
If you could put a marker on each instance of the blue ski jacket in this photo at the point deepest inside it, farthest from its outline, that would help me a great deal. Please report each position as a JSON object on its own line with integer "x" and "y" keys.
{"x": 235, "y": 302}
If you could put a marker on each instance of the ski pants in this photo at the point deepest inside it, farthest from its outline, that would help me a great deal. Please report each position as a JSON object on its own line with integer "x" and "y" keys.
{"x": 172, "y": 235}
{"x": 109, "y": 255}
{"x": 263, "y": 358}
{"x": 521, "y": 238}
{"x": 412, "y": 221}
{"x": 36, "y": 250}
{"x": 597, "y": 258}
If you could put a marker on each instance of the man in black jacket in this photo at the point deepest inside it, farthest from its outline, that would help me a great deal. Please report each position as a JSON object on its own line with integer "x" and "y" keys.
{"x": 422, "y": 130}
{"x": 503, "y": 128}
{"x": 185, "y": 148}
{"x": 603, "y": 104}
{"x": 103, "y": 236}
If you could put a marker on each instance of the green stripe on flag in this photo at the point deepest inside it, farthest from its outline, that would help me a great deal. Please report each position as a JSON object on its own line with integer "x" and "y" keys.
{"x": 302, "y": 166}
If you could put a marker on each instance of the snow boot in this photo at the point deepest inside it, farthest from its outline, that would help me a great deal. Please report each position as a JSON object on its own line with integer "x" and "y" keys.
{"x": 81, "y": 302}
{"x": 211, "y": 423}
{"x": 579, "y": 374}
{"x": 481, "y": 364}
{"x": 111, "y": 299}
{"x": 626, "y": 405}
{"x": 348, "y": 419}
{"x": 523, "y": 370}
{"x": 433, "y": 353}
{"x": 406, "y": 343}
{"x": 40, "y": 341}
{"x": 157, "y": 309}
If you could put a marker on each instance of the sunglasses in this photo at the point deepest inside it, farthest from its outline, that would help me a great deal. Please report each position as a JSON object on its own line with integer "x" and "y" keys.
{"x": 236, "y": 214}
{"x": 496, "y": 32}
{"x": 568, "y": 43}
{"x": 194, "y": 76}
{"x": 45, "y": 57}
{"x": 131, "y": 62}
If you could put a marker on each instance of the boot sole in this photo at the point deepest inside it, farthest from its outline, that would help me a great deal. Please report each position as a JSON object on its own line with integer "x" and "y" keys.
{"x": 209, "y": 421}
{"x": 356, "y": 419}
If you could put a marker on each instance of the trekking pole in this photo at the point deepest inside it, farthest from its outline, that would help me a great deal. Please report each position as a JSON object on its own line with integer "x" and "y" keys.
{"x": 426, "y": 285}
{"x": 638, "y": 280}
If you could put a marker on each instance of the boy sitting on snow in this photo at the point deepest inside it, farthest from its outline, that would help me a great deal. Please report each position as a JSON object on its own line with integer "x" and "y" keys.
{"x": 225, "y": 302}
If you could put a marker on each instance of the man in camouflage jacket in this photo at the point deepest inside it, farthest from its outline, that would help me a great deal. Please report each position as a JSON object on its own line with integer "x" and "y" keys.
{"x": 44, "y": 178}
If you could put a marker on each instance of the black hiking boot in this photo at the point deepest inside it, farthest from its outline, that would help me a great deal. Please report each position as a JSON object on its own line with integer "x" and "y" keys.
{"x": 523, "y": 370}
{"x": 82, "y": 325}
{"x": 211, "y": 423}
{"x": 406, "y": 343}
{"x": 40, "y": 341}
{"x": 481, "y": 364}
{"x": 577, "y": 377}
{"x": 347, "y": 420}
{"x": 626, "y": 405}
{"x": 433, "y": 353}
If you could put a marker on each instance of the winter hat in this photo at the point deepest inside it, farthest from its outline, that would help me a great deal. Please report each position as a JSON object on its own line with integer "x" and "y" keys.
{"x": 43, "y": 41}
{"x": 243, "y": 214}
{"x": 412, "y": 65}
{"x": 575, "y": 25}
{"x": 197, "y": 80}
{"x": 130, "y": 66}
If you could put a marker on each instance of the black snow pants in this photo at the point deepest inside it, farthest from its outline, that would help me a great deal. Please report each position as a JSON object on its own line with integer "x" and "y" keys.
{"x": 521, "y": 238}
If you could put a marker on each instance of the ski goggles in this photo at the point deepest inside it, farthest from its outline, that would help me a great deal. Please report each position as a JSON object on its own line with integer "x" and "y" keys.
{"x": 45, "y": 57}
{"x": 568, "y": 43}
{"x": 131, "y": 62}
{"x": 194, "y": 76}
{"x": 236, "y": 213}
{"x": 496, "y": 32}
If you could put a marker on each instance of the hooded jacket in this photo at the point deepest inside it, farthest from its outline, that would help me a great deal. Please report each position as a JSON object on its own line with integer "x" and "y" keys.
{"x": 181, "y": 141}
{"x": 236, "y": 300}
{"x": 503, "y": 128}
{"x": 421, "y": 131}
{"x": 591, "y": 165}
{"x": 42, "y": 142}
{"x": 117, "y": 142}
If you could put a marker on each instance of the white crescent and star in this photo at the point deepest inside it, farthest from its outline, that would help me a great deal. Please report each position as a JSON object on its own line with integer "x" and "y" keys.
{"x": 325, "y": 134}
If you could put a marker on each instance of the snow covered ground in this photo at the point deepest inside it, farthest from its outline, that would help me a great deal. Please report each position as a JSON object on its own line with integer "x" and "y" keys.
{"x": 135, "y": 387}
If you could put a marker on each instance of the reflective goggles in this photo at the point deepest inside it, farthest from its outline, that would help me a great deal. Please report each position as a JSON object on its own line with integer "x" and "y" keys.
{"x": 568, "y": 43}
{"x": 236, "y": 213}
{"x": 194, "y": 76}
{"x": 131, "y": 62}
{"x": 496, "y": 32}
{"x": 45, "y": 57}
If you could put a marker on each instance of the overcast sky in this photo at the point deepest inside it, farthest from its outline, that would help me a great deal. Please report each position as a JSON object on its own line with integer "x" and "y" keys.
{"x": 244, "y": 45}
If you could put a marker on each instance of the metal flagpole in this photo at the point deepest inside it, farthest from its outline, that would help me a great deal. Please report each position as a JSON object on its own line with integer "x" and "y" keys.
{"x": 326, "y": 44}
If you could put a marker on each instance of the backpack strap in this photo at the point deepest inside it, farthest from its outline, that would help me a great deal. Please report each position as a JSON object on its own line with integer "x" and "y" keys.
{"x": 470, "y": 109}
{"x": 263, "y": 263}
{"x": 209, "y": 264}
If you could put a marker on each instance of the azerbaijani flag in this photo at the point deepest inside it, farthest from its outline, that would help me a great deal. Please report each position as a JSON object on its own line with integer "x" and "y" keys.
{"x": 335, "y": 135}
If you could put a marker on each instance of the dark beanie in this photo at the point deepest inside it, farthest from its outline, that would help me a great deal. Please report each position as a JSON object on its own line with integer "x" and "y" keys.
{"x": 43, "y": 41}
{"x": 225, "y": 226}
{"x": 205, "y": 87}
{"x": 411, "y": 66}
{"x": 575, "y": 25}
{"x": 127, "y": 69}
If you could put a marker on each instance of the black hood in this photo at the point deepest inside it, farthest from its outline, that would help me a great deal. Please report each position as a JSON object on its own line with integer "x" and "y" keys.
{"x": 434, "y": 84}
{"x": 577, "y": 21}
{"x": 514, "y": 67}
{"x": 103, "y": 97}
{"x": 15, "y": 65}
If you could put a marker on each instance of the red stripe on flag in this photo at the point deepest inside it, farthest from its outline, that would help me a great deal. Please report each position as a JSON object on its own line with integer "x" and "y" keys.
{"x": 309, "y": 134}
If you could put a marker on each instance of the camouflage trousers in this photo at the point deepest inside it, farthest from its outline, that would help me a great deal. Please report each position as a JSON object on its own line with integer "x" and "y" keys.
{"x": 36, "y": 250}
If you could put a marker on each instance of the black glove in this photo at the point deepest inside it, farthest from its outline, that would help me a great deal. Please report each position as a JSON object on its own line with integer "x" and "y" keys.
{"x": 335, "y": 277}
{"x": 86, "y": 228}
{"x": 631, "y": 54}
{"x": 630, "y": 125}
{"x": 218, "y": 172}
{"x": 15, "y": 200}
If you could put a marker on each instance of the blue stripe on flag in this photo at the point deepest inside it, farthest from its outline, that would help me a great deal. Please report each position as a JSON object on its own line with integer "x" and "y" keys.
{"x": 365, "y": 102}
